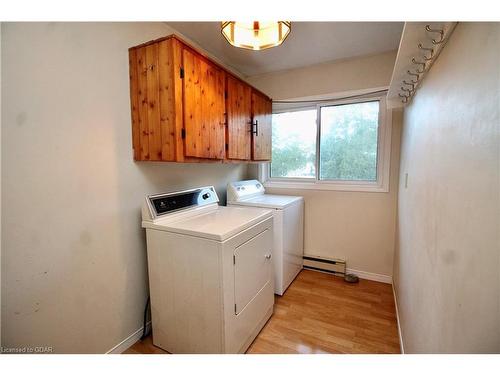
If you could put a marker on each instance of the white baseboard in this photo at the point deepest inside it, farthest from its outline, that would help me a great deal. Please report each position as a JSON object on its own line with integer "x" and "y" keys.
{"x": 371, "y": 276}
{"x": 128, "y": 342}
{"x": 397, "y": 318}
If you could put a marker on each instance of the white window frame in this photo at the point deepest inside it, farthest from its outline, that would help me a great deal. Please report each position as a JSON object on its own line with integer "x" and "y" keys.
{"x": 381, "y": 185}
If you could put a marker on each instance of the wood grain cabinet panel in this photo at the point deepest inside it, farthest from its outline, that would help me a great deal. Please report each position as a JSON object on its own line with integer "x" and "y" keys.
{"x": 204, "y": 107}
{"x": 182, "y": 110}
{"x": 167, "y": 99}
{"x": 261, "y": 141}
{"x": 239, "y": 119}
{"x": 142, "y": 94}
{"x": 134, "y": 104}
{"x": 152, "y": 101}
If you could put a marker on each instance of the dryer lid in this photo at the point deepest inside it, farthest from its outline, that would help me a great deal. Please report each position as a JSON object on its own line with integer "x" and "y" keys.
{"x": 216, "y": 223}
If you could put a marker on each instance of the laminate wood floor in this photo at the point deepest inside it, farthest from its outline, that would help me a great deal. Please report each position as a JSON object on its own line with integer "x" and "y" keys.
{"x": 320, "y": 313}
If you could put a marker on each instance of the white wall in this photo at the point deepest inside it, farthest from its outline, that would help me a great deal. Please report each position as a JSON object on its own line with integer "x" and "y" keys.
{"x": 356, "y": 226}
{"x": 447, "y": 263}
{"x": 359, "y": 73}
{"x": 0, "y": 182}
{"x": 73, "y": 253}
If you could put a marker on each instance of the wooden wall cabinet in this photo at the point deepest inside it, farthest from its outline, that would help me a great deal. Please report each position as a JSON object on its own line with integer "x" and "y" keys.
{"x": 239, "y": 119}
{"x": 187, "y": 108}
{"x": 261, "y": 127}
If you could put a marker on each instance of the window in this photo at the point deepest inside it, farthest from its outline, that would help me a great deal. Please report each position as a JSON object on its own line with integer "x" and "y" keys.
{"x": 348, "y": 142}
{"x": 294, "y": 144}
{"x": 334, "y": 146}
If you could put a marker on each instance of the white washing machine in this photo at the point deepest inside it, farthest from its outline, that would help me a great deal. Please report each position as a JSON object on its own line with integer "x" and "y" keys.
{"x": 210, "y": 271}
{"x": 288, "y": 214}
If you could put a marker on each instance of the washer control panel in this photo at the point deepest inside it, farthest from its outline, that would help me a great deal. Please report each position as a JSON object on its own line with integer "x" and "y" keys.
{"x": 244, "y": 189}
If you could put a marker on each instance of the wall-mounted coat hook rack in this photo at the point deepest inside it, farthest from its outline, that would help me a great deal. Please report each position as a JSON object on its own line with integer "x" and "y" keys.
{"x": 405, "y": 98}
{"x": 406, "y": 90}
{"x": 440, "y": 32}
{"x": 415, "y": 75}
{"x": 419, "y": 63}
{"x": 412, "y": 84}
{"x": 416, "y": 56}
{"x": 431, "y": 50}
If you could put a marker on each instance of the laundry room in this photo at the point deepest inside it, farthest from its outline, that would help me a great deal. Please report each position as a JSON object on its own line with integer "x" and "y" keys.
{"x": 199, "y": 186}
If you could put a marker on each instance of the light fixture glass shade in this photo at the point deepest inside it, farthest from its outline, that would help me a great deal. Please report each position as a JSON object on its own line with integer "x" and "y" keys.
{"x": 255, "y": 35}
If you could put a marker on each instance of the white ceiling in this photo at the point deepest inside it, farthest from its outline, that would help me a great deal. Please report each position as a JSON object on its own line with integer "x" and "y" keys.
{"x": 308, "y": 43}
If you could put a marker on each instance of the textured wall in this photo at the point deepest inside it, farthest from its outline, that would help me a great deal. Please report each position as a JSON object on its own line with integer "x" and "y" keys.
{"x": 73, "y": 252}
{"x": 447, "y": 261}
{"x": 358, "y": 73}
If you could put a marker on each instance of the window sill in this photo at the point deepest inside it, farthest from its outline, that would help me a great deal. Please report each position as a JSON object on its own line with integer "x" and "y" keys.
{"x": 313, "y": 185}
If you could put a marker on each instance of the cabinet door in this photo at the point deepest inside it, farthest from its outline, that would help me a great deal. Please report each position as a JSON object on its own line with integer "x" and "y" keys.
{"x": 204, "y": 107}
{"x": 145, "y": 103}
{"x": 153, "y": 103}
{"x": 261, "y": 110}
{"x": 238, "y": 106}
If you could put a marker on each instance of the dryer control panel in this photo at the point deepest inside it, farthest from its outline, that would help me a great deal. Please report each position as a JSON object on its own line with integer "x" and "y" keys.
{"x": 165, "y": 203}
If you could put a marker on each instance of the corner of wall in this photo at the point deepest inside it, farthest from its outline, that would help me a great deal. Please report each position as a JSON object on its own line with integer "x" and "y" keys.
{"x": 398, "y": 117}
{"x": 0, "y": 183}
{"x": 252, "y": 171}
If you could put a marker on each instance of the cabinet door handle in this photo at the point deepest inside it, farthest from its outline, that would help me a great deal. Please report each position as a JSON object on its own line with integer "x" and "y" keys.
{"x": 256, "y": 130}
{"x": 268, "y": 256}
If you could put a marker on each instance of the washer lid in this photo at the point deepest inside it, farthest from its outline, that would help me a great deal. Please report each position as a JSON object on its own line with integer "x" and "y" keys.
{"x": 215, "y": 224}
{"x": 269, "y": 201}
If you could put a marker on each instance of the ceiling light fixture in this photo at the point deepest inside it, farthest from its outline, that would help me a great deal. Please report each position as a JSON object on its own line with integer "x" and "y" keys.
{"x": 255, "y": 35}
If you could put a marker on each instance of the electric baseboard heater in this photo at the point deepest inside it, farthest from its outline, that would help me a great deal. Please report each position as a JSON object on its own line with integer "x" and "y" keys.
{"x": 322, "y": 264}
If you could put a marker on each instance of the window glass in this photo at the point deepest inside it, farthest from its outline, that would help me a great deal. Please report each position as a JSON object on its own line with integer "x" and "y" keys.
{"x": 294, "y": 144}
{"x": 348, "y": 142}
